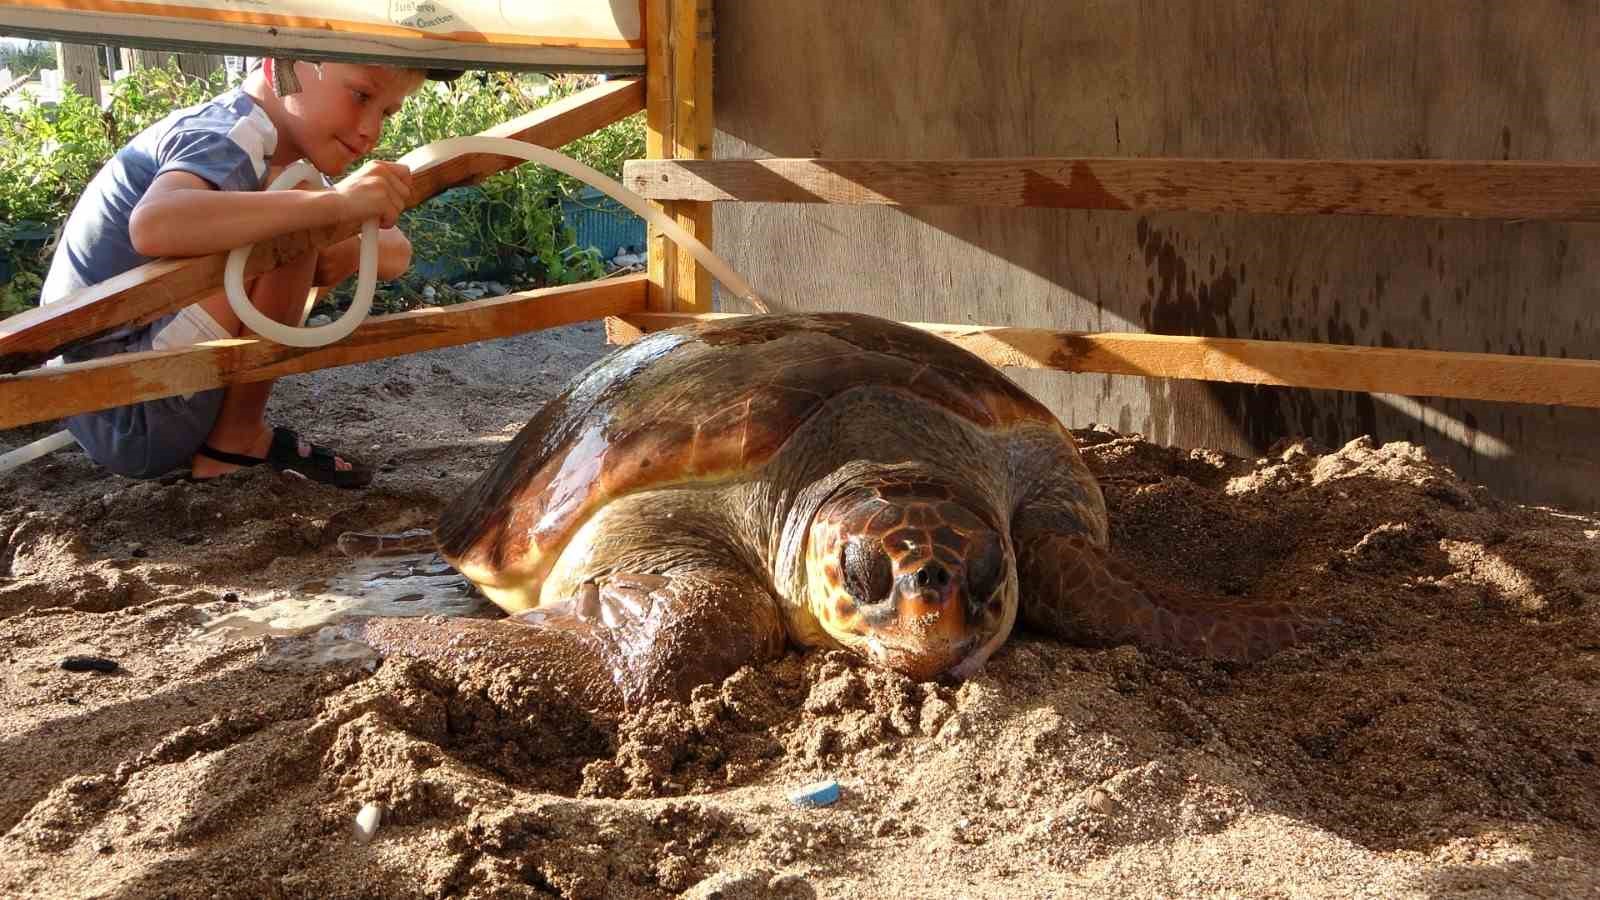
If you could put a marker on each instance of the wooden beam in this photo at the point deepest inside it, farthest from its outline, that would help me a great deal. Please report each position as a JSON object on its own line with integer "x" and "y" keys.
{"x": 620, "y": 332}
{"x": 692, "y": 35}
{"x": 1567, "y": 191}
{"x": 80, "y": 67}
{"x": 51, "y": 393}
{"x": 661, "y": 264}
{"x": 678, "y": 51}
{"x": 1424, "y": 373}
{"x": 305, "y": 30}
{"x": 163, "y": 286}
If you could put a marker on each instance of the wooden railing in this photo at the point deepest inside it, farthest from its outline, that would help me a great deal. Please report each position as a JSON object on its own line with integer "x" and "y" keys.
{"x": 57, "y": 391}
{"x": 1426, "y": 188}
{"x": 149, "y": 291}
{"x": 1418, "y": 188}
{"x": 677, "y": 292}
{"x": 1432, "y": 373}
{"x": 143, "y": 294}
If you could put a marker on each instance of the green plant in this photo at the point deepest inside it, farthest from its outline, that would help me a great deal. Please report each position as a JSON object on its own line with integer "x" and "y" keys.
{"x": 48, "y": 153}
{"x": 516, "y": 212}
{"x": 29, "y": 56}
{"x": 148, "y": 95}
{"x": 509, "y": 226}
{"x": 20, "y": 293}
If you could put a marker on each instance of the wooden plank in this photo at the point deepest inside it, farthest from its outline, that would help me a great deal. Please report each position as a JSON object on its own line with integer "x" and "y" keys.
{"x": 1421, "y": 373}
{"x": 80, "y": 67}
{"x": 255, "y": 29}
{"x": 692, "y": 31}
{"x": 199, "y": 65}
{"x": 1562, "y": 191}
{"x": 661, "y": 264}
{"x": 157, "y": 288}
{"x": 51, "y": 393}
{"x": 678, "y": 42}
{"x": 620, "y": 332}
{"x": 1192, "y": 79}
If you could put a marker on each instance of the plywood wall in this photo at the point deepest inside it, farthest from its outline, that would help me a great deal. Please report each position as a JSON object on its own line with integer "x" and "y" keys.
{"x": 1301, "y": 78}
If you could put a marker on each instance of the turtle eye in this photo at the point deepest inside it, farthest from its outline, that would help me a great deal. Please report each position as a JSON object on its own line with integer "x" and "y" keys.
{"x": 868, "y": 575}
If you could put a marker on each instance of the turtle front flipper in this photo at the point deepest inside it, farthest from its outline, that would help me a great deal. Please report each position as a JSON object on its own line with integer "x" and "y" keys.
{"x": 622, "y": 641}
{"x": 1073, "y": 589}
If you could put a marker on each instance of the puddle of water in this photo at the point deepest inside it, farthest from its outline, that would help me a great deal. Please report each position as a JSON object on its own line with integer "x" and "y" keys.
{"x": 298, "y": 626}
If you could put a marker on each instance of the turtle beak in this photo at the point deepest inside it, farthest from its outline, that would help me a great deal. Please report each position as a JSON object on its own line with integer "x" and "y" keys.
{"x": 991, "y": 626}
{"x": 941, "y": 629}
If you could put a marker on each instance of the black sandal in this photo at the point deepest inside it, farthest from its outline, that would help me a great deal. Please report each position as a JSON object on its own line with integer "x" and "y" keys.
{"x": 284, "y": 456}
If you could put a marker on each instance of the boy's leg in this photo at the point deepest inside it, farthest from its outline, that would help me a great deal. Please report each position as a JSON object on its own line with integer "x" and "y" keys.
{"x": 241, "y": 425}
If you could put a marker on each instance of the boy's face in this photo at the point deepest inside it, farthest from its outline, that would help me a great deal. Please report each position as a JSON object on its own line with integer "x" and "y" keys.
{"x": 338, "y": 117}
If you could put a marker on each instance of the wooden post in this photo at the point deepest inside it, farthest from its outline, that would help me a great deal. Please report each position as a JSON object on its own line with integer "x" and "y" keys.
{"x": 134, "y": 58}
{"x": 195, "y": 65}
{"x": 678, "y": 50}
{"x": 80, "y": 67}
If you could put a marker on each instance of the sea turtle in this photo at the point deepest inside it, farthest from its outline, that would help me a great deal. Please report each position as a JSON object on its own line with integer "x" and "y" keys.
{"x": 703, "y": 498}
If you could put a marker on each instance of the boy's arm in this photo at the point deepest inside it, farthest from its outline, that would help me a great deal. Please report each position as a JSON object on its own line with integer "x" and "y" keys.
{"x": 183, "y": 215}
{"x": 341, "y": 260}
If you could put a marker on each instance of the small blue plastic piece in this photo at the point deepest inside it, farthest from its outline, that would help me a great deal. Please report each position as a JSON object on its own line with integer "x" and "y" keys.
{"x": 821, "y": 793}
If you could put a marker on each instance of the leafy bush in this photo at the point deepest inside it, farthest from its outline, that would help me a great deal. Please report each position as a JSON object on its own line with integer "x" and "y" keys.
{"x": 28, "y": 56}
{"x": 49, "y": 153}
{"x": 20, "y": 292}
{"x": 508, "y": 226}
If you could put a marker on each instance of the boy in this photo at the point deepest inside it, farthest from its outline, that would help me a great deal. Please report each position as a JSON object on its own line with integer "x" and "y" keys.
{"x": 189, "y": 186}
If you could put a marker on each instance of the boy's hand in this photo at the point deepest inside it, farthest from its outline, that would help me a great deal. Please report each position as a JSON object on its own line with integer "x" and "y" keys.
{"x": 378, "y": 190}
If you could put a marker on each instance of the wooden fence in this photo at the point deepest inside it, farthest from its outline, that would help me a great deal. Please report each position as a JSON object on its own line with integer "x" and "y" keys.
{"x": 80, "y": 64}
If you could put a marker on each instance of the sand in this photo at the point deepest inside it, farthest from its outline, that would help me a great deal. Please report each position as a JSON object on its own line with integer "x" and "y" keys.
{"x": 1440, "y": 740}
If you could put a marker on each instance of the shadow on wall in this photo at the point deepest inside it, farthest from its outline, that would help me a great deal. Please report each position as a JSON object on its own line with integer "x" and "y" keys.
{"x": 1224, "y": 276}
{"x": 1190, "y": 79}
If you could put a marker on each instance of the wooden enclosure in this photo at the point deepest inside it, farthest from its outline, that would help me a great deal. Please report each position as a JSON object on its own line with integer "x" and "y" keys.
{"x": 1234, "y": 222}
{"x": 1434, "y": 80}
{"x": 163, "y": 286}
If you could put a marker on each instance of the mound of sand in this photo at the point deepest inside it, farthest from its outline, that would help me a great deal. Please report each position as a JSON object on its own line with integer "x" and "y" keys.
{"x": 1440, "y": 740}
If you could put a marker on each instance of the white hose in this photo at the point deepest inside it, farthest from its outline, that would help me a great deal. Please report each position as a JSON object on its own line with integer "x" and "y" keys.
{"x": 449, "y": 148}
{"x": 419, "y": 160}
{"x": 366, "y": 282}
{"x": 27, "y": 453}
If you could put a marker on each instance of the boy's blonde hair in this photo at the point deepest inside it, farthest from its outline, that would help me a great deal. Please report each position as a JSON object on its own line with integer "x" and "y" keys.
{"x": 285, "y": 82}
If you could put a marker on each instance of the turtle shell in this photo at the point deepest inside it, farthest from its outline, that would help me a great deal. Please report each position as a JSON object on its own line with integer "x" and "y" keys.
{"x": 707, "y": 402}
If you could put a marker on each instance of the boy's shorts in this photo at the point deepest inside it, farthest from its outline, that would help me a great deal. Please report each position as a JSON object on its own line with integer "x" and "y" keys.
{"x": 151, "y": 438}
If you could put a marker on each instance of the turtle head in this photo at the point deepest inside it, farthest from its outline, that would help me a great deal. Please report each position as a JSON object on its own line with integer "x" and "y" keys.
{"x": 904, "y": 574}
